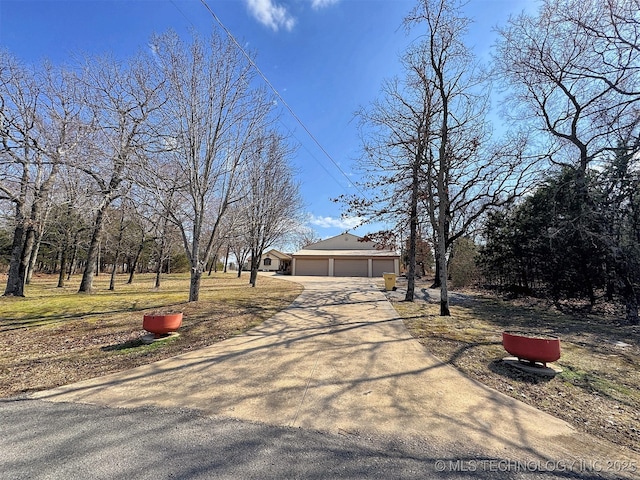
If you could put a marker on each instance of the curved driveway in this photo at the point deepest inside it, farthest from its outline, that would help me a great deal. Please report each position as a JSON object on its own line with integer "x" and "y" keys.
{"x": 339, "y": 360}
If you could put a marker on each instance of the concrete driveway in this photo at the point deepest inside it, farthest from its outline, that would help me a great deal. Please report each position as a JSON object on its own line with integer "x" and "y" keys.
{"x": 339, "y": 360}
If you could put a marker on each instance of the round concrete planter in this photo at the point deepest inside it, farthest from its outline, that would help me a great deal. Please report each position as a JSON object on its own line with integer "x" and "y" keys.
{"x": 162, "y": 324}
{"x": 530, "y": 348}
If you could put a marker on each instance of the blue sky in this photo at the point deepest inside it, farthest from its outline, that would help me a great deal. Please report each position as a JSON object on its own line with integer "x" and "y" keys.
{"x": 325, "y": 57}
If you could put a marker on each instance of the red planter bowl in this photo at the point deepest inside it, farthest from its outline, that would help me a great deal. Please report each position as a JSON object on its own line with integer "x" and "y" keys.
{"x": 533, "y": 349}
{"x": 162, "y": 324}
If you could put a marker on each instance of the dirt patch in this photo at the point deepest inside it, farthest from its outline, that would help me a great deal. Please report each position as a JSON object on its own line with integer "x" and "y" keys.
{"x": 598, "y": 391}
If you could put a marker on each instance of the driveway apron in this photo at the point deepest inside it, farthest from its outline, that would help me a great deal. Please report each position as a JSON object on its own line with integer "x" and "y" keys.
{"x": 340, "y": 360}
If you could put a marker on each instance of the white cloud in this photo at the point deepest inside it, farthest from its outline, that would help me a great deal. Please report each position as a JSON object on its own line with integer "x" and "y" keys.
{"x": 277, "y": 16}
{"x": 331, "y": 222}
{"x": 271, "y": 14}
{"x": 318, "y": 4}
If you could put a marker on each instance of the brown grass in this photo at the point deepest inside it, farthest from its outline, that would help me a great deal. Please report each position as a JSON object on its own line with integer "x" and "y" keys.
{"x": 599, "y": 389}
{"x": 55, "y": 336}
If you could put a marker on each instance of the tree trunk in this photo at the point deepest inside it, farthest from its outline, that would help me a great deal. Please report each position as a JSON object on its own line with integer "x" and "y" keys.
{"x": 63, "y": 265}
{"x": 241, "y": 257}
{"x": 194, "y": 284}
{"x": 159, "y": 263}
{"x": 86, "y": 285}
{"x": 443, "y": 212}
{"x": 444, "y": 292}
{"x": 15, "y": 283}
{"x": 98, "y": 260}
{"x": 25, "y": 259}
{"x": 54, "y": 268}
{"x": 631, "y": 302}
{"x": 114, "y": 270}
{"x": 33, "y": 257}
{"x": 413, "y": 232}
{"x": 253, "y": 275}
{"x": 436, "y": 280}
{"x": 158, "y": 270}
{"x": 212, "y": 266}
{"x": 253, "y": 267}
{"x": 74, "y": 255}
{"x": 134, "y": 264}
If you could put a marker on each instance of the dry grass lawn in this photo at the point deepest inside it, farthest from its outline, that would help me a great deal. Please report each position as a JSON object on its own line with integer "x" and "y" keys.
{"x": 55, "y": 336}
{"x": 599, "y": 389}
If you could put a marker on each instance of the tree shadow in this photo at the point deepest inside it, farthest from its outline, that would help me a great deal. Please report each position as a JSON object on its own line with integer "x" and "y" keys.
{"x": 501, "y": 368}
{"x": 128, "y": 345}
{"x": 39, "y": 320}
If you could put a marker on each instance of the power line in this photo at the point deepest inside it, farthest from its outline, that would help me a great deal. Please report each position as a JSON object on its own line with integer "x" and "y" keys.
{"x": 292, "y": 133}
{"x": 266, "y": 80}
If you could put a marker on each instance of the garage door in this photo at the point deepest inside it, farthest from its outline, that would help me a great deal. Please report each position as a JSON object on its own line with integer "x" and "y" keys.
{"x": 308, "y": 266}
{"x": 344, "y": 267}
{"x": 382, "y": 265}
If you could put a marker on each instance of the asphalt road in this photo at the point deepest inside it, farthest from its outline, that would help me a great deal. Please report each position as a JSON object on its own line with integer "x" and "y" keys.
{"x": 46, "y": 440}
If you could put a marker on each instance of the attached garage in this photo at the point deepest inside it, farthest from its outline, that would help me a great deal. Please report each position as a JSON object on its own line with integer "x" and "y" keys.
{"x": 382, "y": 265}
{"x": 345, "y": 255}
{"x": 312, "y": 266}
{"x": 350, "y": 267}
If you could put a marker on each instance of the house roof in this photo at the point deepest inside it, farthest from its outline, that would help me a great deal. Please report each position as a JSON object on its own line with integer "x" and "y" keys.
{"x": 345, "y": 241}
{"x": 344, "y": 245}
{"x": 277, "y": 254}
{"x": 345, "y": 253}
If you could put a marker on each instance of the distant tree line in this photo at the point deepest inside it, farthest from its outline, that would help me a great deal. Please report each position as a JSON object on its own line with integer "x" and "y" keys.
{"x": 159, "y": 162}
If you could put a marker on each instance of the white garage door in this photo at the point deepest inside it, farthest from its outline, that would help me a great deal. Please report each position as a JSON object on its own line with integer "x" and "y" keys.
{"x": 347, "y": 267}
{"x": 315, "y": 266}
{"x": 382, "y": 265}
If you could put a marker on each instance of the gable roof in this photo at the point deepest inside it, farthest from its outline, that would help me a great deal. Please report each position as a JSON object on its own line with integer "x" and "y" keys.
{"x": 369, "y": 253}
{"x": 344, "y": 245}
{"x": 344, "y": 241}
{"x": 278, "y": 254}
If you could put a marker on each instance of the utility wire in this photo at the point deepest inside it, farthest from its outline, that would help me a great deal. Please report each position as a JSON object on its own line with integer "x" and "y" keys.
{"x": 293, "y": 134}
{"x": 269, "y": 84}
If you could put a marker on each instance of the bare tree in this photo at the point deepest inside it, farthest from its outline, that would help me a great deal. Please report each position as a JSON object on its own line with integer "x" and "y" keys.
{"x": 304, "y": 236}
{"x": 398, "y": 127}
{"x": 428, "y": 150}
{"x": 141, "y": 231}
{"x": 235, "y": 228}
{"x": 450, "y": 70}
{"x": 121, "y": 99}
{"x": 573, "y": 73}
{"x": 68, "y": 220}
{"x": 39, "y": 128}
{"x": 212, "y": 115}
{"x": 271, "y": 202}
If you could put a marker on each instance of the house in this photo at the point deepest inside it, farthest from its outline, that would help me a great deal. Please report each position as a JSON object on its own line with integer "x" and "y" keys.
{"x": 345, "y": 255}
{"x": 275, "y": 261}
